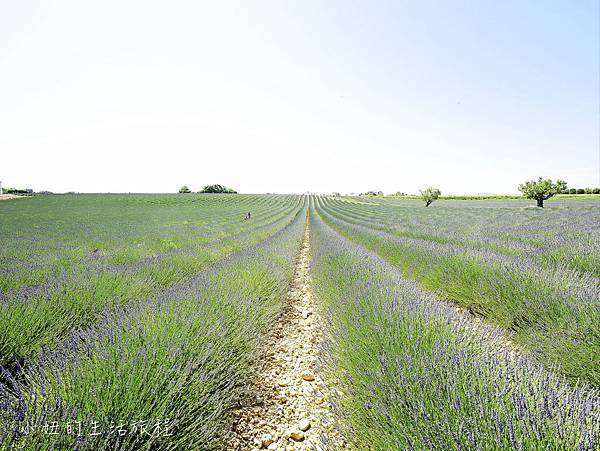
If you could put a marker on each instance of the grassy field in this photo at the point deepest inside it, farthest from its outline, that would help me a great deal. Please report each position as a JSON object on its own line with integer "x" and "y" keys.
{"x": 465, "y": 325}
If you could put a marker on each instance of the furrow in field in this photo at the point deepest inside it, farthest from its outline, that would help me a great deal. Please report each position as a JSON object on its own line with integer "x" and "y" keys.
{"x": 290, "y": 407}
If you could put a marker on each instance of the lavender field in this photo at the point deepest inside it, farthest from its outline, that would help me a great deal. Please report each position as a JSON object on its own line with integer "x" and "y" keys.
{"x": 133, "y": 322}
{"x": 140, "y": 321}
{"x": 469, "y": 325}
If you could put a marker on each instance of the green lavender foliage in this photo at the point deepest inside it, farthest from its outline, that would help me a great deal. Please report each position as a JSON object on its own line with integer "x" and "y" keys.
{"x": 414, "y": 374}
{"x": 113, "y": 250}
{"x": 501, "y": 272}
{"x": 188, "y": 355}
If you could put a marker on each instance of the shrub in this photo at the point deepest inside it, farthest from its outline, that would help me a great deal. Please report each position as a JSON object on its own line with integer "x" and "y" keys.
{"x": 580, "y": 191}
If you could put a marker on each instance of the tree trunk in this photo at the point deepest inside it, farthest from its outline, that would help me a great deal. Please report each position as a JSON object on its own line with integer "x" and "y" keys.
{"x": 427, "y": 203}
{"x": 540, "y": 202}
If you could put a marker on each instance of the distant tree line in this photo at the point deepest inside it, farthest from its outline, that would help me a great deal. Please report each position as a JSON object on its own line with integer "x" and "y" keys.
{"x": 214, "y": 189}
{"x": 538, "y": 190}
{"x": 581, "y": 191}
{"x": 541, "y": 189}
{"x": 16, "y": 191}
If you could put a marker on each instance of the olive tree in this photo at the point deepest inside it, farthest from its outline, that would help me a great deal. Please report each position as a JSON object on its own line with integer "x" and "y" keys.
{"x": 430, "y": 194}
{"x": 541, "y": 189}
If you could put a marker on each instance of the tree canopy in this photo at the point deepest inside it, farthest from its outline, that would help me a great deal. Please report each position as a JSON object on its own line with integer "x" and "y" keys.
{"x": 217, "y": 189}
{"x": 542, "y": 189}
{"x": 430, "y": 194}
{"x": 184, "y": 190}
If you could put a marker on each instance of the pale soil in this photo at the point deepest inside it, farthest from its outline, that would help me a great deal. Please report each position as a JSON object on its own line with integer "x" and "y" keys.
{"x": 9, "y": 196}
{"x": 292, "y": 409}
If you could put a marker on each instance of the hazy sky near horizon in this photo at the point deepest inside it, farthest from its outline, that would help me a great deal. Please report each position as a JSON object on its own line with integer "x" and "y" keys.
{"x": 294, "y": 96}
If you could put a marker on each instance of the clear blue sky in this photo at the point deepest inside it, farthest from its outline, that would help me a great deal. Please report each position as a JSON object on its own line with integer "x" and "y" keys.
{"x": 290, "y": 96}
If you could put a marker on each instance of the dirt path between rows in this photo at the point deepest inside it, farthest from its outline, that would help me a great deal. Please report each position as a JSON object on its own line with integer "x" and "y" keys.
{"x": 292, "y": 409}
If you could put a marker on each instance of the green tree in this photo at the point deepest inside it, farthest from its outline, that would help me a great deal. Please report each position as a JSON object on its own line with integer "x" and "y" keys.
{"x": 217, "y": 189}
{"x": 429, "y": 195}
{"x": 541, "y": 189}
{"x": 184, "y": 190}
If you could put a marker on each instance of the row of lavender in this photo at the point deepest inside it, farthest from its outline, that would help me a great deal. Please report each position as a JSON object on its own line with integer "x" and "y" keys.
{"x": 550, "y": 312}
{"x": 412, "y": 373}
{"x": 160, "y": 374}
{"x": 568, "y": 236}
{"x": 34, "y": 318}
{"x": 46, "y": 237}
